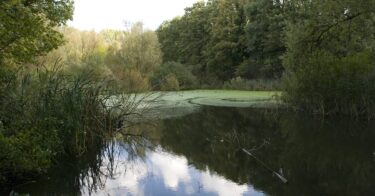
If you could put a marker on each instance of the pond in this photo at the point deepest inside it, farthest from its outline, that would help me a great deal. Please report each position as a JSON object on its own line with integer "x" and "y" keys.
{"x": 202, "y": 153}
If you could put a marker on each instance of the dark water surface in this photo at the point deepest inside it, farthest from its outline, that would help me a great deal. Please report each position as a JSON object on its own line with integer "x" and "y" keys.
{"x": 201, "y": 154}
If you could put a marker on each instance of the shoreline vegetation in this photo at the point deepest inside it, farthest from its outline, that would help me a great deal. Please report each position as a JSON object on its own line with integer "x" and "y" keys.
{"x": 56, "y": 82}
{"x": 46, "y": 114}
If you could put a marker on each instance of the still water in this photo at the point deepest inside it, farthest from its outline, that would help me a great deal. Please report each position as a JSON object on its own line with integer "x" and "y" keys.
{"x": 201, "y": 153}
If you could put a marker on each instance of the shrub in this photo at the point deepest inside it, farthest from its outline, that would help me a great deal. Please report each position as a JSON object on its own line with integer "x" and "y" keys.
{"x": 181, "y": 72}
{"x": 239, "y": 83}
{"x": 329, "y": 85}
{"x": 131, "y": 80}
{"x": 170, "y": 83}
{"x": 329, "y": 62}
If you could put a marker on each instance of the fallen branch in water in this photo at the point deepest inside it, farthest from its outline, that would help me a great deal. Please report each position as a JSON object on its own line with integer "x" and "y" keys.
{"x": 282, "y": 178}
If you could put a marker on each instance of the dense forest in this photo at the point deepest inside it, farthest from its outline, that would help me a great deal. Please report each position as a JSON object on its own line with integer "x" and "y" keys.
{"x": 55, "y": 81}
{"x": 221, "y": 40}
{"x": 321, "y": 51}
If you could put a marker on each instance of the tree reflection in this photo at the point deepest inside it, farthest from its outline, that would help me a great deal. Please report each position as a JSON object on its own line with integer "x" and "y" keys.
{"x": 334, "y": 157}
{"x": 89, "y": 173}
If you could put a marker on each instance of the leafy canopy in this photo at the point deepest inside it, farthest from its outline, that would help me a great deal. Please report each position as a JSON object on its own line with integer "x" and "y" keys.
{"x": 27, "y": 27}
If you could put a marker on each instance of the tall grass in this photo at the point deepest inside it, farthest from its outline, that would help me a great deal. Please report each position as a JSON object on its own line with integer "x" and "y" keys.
{"x": 47, "y": 113}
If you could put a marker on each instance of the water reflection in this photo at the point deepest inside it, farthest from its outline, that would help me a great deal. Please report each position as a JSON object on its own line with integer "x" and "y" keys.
{"x": 163, "y": 173}
{"x": 200, "y": 154}
{"x": 332, "y": 157}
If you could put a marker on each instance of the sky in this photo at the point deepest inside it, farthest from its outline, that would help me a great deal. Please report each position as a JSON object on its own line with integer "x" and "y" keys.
{"x": 115, "y": 14}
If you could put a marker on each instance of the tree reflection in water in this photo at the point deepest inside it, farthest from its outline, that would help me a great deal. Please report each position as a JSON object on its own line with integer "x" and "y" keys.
{"x": 332, "y": 157}
{"x": 200, "y": 153}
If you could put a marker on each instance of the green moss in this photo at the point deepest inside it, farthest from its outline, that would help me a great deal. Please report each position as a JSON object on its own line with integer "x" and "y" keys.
{"x": 223, "y": 98}
{"x": 179, "y": 103}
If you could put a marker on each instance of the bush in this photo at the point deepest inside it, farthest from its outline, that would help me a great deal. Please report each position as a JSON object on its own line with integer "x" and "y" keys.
{"x": 180, "y": 72}
{"x": 239, "y": 83}
{"x": 329, "y": 85}
{"x": 170, "y": 83}
{"x": 329, "y": 62}
{"x": 131, "y": 80}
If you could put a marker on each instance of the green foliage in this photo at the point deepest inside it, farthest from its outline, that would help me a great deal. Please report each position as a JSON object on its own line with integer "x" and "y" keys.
{"x": 138, "y": 49}
{"x": 181, "y": 73}
{"x": 239, "y": 83}
{"x": 330, "y": 58}
{"x": 132, "y": 57}
{"x": 264, "y": 39}
{"x": 131, "y": 80}
{"x": 82, "y": 50}
{"x": 128, "y": 57}
{"x": 27, "y": 27}
{"x": 27, "y": 138}
{"x": 168, "y": 34}
{"x": 46, "y": 113}
{"x": 223, "y": 39}
{"x": 328, "y": 85}
{"x": 226, "y": 48}
{"x": 183, "y": 39}
{"x": 326, "y": 48}
{"x": 170, "y": 83}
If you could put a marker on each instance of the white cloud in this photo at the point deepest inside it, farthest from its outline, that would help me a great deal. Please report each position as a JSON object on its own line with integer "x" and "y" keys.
{"x": 221, "y": 186}
{"x": 132, "y": 177}
{"x": 174, "y": 169}
{"x": 127, "y": 180}
{"x": 102, "y": 14}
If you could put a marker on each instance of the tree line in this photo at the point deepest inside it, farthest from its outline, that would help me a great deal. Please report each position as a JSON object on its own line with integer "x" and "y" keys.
{"x": 323, "y": 51}
{"x": 131, "y": 58}
{"x": 224, "y": 39}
